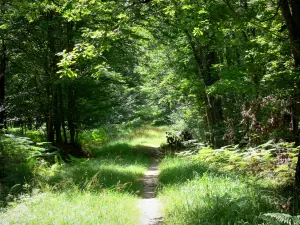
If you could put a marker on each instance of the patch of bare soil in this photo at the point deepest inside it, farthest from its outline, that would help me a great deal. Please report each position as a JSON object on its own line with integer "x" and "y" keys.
{"x": 149, "y": 205}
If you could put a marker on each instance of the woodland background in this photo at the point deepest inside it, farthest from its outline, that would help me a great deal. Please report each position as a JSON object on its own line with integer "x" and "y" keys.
{"x": 227, "y": 71}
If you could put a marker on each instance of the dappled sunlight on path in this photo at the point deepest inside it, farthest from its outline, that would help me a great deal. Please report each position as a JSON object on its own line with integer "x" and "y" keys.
{"x": 149, "y": 205}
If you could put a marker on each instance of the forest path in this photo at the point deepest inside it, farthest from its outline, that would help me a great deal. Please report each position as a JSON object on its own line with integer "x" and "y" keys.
{"x": 149, "y": 205}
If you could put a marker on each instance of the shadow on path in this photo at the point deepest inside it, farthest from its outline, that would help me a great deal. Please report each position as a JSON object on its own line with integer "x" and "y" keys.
{"x": 149, "y": 205}
{"x": 119, "y": 167}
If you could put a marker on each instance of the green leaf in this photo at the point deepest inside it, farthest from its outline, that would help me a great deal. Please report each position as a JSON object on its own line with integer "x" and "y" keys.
{"x": 3, "y": 27}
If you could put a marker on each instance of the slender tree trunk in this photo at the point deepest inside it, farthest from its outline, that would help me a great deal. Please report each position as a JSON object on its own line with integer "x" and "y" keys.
{"x": 49, "y": 123}
{"x": 62, "y": 110}
{"x": 71, "y": 90}
{"x": 50, "y": 66}
{"x": 291, "y": 14}
{"x": 57, "y": 113}
{"x": 2, "y": 84}
{"x": 71, "y": 111}
{"x": 292, "y": 19}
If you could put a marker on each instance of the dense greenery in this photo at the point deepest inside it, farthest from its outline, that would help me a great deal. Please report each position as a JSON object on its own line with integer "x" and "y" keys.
{"x": 94, "y": 190}
{"x": 227, "y": 69}
{"x": 198, "y": 195}
{"x": 79, "y": 74}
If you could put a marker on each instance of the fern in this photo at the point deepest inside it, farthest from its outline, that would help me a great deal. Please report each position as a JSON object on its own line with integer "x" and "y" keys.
{"x": 282, "y": 218}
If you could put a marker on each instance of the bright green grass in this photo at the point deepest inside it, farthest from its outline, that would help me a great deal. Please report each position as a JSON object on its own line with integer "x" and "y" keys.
{"x": 193, "y": 194}
{"x": 139, "y": 141}
{"x": 100, "y": 190}
{"x": 74, "y": 207}
{"x": 117, "y": 172}
{"x": 148, "y": 136}
{"x": 119, "y": 165}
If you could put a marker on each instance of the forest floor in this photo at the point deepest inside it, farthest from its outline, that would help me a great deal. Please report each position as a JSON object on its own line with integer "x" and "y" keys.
{"x": 115, "y": 187}
{"x": 128, "y": 183}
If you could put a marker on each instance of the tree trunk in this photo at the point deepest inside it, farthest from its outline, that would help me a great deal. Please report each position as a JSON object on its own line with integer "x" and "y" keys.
{"x": 71, "y": 90}
{"x": 50, "y": 69}
{"x": 213, "y": 106}
{"x": 291, "y": 14}
{"x": 71, "y": 111}
{"x": 62, "y": 110}
{"x": 57, "y": 115}
{"x": 2, "y": 84}
{"x": 292, "y": 19}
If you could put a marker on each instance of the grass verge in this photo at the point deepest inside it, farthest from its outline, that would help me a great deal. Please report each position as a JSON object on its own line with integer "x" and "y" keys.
{"x": 194, "y": 194}
{"x": 100, "y": 190}
{"x": 73, "y": 207}
{"x": 120, "y": 171}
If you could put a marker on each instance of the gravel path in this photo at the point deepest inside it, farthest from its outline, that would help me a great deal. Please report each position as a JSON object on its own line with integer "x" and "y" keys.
{"x": 149, "y": 205}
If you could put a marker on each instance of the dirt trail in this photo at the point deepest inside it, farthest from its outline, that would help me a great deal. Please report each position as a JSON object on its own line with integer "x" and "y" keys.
{"x": 149, "y": 205}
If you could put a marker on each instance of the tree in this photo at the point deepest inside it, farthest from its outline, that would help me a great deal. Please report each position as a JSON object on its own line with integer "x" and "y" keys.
{"x": 3, "y": 63}
{"x": 291, "y": 14}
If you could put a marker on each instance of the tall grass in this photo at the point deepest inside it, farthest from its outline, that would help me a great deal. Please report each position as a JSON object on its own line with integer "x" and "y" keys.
{"x": 73, "y": 207}
{"x": 194, "y": 194}
{"x": 103, "y": 189}
{"x": 145, "y": 136}
{"x": 148, "y": 136}
{"x": 115, "y": 172}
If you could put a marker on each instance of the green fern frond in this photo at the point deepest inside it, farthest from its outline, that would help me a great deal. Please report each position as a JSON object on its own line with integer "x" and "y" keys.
{"x": 282, "y": 218}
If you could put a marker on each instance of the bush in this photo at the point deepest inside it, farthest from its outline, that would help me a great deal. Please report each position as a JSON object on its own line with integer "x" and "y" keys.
{"x": 94, "y": 137}
{"x": 20, "y": 160}
{"x": 269, "y": 160}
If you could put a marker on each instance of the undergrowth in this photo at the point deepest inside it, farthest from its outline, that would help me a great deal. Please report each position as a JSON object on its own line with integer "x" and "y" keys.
{"x": 115, "y": 172}
{"x": 143, "y": 136}
{"x": 72, "y": 207}
{"x": 269, "y": 161}
{"x": 210, "y": 188}
{"x": 102, "y": 189}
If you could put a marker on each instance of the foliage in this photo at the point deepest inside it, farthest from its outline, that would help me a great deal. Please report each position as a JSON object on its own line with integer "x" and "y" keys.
{"x": 96, "y": 137}
{"x": 199, "y": 186}
{"x": 112, "y": 169}
{"x": 73, "y": 207}
{"x": 88, "y": 74}
{"x": 281, "y": 218}
{"x": 268, "y": 161}
{"x": 111, "y": 177}
{"x": 195, "y": 194}
{"x": 21, "y": 160}
{"x": 116, "y": 166}
{"x": 123, "y": 134}
{"x": 191, "y": 64}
